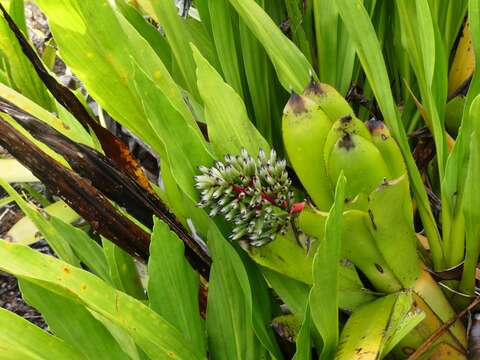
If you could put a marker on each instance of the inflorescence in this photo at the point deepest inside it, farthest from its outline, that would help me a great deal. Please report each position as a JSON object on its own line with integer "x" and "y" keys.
{"x": 253, "y": 194}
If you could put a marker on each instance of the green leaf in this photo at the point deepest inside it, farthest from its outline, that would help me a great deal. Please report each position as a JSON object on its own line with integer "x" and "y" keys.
{"x": 364, "y": 333}
{"x": 324, "y": 295}
{"x": 73, "y": 323}
{"x": 173, "y": 285}
{"x": 293, "y": 292}
{"x": 185, "y": 147}
{"x": 302, "y": 342}
{"x": 151, "y": 332}
{"x": 22, "y": 75}
{"x": 262, "y": 312}
{"x": 361, "y": 31}
{"x": 24, "y": 231}
{"x": 291, "y": 66}
{"x": 86, "y": 249}
{"x": 229, "y": 308}
{"x": 156, "y": 40}
{"x": 229, "y": 128}
{"x": 20, "y": 339}
{"x": 165, "y": 13}
{"x": 224, "y": 23}
{"x": 54, "y": 237}
{"x": 87, "y": 34}
{"x": 122, "y": 270}
{"x": 471, "y": 209}
{"x": 258, "y": 73}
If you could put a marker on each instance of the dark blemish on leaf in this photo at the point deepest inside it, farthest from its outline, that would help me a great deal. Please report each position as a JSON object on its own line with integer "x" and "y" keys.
{"x": 346, "y": 119}
{"x": 66, "y": 270}
{"x": 346, "y": 142}
{"x": 379, "y": 268}
{"x": 297, "y": 103}
{"x": 372, "y": 219}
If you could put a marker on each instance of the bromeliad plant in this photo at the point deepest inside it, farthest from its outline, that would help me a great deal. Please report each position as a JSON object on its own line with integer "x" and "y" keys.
{"x": 316, "y": 221}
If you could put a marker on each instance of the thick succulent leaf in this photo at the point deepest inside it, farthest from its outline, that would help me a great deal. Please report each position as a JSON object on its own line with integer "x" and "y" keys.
{"x": 229, "y": 128}
{"x": 20, "y": 339}
{"x": 173, "y": 285}
{"x": 73, "y": 323}
{"x": 151, "y": 332}
{"x": 324, "y": 295}
{"x": 363, "y": 336}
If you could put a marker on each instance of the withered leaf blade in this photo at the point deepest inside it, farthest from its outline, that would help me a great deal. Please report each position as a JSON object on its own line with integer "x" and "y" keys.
{"x": 113, "y": 147}
{"x": 102, "y": 177}
{"x": 77, "y": 192}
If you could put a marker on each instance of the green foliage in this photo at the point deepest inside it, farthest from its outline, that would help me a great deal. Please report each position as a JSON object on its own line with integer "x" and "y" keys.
{"x": 214, "y": 82}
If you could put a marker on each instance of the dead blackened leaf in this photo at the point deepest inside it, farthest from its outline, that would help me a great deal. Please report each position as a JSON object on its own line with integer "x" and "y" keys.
{"x": 99, "y": 179}
{"x": 78, "y": 192}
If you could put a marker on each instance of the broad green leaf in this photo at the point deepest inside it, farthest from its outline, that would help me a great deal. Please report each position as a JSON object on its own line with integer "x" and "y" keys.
{"x": 262, "y": 311}
{"x": 324, "y": 295}
{"x": 86, "y": 249}
{"x": 292, "y": 292}
{"x": 229, "y": 308}
{"x": 24, "y": 231}
{"x": 302, "y": 342}
{"x": 184, "y": 145}
{"x": 87, "y": 34}
{"x": 156, "y": 337}
{"x": 224, "y": 22}
{"x": 22, "y": 75}
{"x": 20, "y": 339}
{"x": 173, "y": 285}
{"x": 291, "y": 66}
{"x": 73, "y": 323}
{"x": 54, "y": 237}
{"x": 122, "y": 270}
{"x": 398, "y": 247}
{"x": 362, "y": 34}
{"x": 156, "y": 40}
{"x": 229, "y": 128}
{"x": 165, "y": 12}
